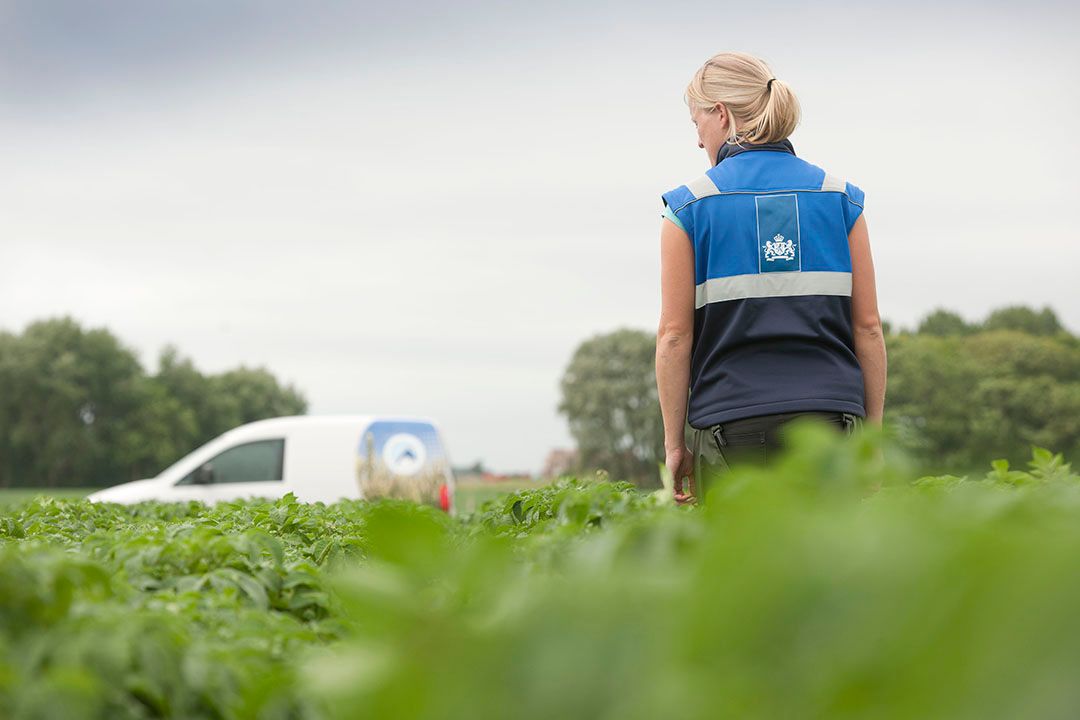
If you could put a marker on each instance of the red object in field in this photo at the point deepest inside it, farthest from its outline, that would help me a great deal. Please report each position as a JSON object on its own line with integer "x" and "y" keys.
{"x": 444, "y": 497}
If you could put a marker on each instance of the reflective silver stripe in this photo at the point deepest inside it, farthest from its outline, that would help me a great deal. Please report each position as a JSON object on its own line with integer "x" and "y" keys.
{"x": 772, "y": 284}
{"x": 703, "y": 187}
{"x": 833, "y": 183}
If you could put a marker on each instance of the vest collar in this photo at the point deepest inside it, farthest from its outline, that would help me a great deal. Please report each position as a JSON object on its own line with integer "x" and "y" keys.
{"x": 730, "y": 150}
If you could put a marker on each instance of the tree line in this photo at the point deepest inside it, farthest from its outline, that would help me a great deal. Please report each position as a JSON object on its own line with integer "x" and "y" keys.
{"x": 78, "y": 409}
{"x": 960, "y": 394}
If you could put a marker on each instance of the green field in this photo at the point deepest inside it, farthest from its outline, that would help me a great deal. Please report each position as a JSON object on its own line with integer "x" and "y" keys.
{"x": 469, "y": 495}
{"x": 17, "y": 496}
{"x": 834, "y": 585}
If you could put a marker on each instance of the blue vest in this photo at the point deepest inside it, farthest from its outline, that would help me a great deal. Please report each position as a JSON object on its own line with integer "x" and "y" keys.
{"x": 772, "y": 319}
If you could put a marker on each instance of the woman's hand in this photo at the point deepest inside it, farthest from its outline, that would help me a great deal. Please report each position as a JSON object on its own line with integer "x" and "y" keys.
{"x": 680, "y": 463}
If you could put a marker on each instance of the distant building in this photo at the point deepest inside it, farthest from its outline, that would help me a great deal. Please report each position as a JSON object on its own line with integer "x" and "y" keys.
{"x": 560, "y": 462}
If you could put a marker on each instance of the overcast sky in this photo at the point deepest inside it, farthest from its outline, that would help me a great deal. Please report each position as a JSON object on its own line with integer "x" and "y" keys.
{"x": 424, "y": 209}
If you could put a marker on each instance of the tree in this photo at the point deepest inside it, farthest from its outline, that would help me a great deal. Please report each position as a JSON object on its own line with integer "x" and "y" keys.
{"x": 929, "y": 380}
{"x": 944, "y": 323}
{"x": 609, "y": 398}
{"x": 77, "y": 408}
{"x": 191, "y": 409}
{"x": 958, "y": 402}
{"x": 67, "y": 394}
{"x": 221, "y": 402}
{"x": 959, "y": 394}
{"x": 157, "y": 433}
{"x": 8, "y": 406}
{"x": 178, "y": 378}
{"x": 248, "y": 394}
{"x": 1024, "y": 319}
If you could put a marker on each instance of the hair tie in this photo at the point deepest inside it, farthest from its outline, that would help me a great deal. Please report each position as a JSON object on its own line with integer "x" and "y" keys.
{"x": 768, "y": 85}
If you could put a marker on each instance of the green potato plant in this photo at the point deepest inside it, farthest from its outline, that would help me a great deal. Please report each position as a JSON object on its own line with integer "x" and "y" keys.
{"x": 834, "y": 584}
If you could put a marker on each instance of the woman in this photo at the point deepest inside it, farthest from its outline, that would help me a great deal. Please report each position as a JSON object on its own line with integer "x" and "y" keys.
{"x": 769, "y": 310}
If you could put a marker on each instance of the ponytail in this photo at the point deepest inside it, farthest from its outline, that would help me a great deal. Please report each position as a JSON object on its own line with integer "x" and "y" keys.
{"x": 764, "y": 107}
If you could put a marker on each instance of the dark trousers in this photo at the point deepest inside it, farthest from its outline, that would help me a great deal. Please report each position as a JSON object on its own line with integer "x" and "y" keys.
{"x": 753, "y": 441}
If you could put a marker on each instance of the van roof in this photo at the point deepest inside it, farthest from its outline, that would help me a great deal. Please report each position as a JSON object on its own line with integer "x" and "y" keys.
{"x": 293, "y": 421}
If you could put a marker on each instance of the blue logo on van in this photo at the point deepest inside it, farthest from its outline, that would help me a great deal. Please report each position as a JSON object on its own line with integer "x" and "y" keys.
{"x": 404, "y": 447}
{"x": 401, "y": 459}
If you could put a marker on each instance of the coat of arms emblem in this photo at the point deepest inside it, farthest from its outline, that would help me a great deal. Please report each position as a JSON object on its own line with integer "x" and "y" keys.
{"x": 779, "y": 248}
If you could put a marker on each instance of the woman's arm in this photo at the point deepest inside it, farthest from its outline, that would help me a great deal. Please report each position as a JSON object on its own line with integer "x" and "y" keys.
{"x": 869, "y": 339}
{"x": 674, "y": 339}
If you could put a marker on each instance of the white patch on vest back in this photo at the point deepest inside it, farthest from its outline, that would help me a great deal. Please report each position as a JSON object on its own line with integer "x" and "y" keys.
{"x": 778, "y": 233}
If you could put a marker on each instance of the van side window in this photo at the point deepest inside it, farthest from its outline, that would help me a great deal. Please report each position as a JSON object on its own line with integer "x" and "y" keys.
{"x": 259, "y": 461}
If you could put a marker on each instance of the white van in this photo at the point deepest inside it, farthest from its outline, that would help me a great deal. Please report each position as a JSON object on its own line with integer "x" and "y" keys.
{"x": 316, "y": 458}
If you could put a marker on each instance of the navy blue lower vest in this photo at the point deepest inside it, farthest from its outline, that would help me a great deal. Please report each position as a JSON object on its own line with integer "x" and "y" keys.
{"x": 772, "y": 321}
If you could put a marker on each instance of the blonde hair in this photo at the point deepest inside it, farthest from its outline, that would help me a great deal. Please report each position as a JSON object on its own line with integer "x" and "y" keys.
{"x": 741, "y": 83}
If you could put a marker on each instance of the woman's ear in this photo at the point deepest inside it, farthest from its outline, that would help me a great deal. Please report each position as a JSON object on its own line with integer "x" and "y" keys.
{"x": 721, "y": 113}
